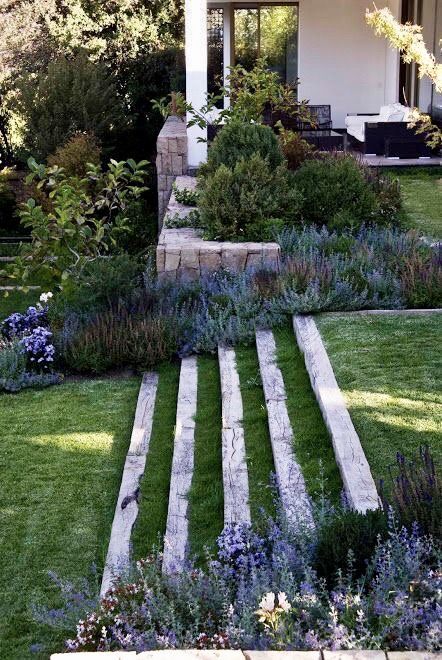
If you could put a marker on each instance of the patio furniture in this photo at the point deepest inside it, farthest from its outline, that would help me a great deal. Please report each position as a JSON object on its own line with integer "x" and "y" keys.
{"x": 385, "y": 132}
{"x": 324, "y": 140}
{"x": 320, "y": 118}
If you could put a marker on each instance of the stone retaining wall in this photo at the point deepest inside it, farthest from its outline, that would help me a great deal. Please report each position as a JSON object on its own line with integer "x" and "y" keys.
{"x": 183, "y": 253}
{"x": 171, "y": 160}
{"x": 251, "y": 655}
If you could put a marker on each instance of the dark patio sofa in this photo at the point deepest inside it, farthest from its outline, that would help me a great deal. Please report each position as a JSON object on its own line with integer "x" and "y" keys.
{"x": 393, "y": 139}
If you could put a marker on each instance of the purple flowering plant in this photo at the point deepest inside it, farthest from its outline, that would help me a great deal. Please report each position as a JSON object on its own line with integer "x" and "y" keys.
{"x": 30, "y": 331}
{"x": 262, "y": 592}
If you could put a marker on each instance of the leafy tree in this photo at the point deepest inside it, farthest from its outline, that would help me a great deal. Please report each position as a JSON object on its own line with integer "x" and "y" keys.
{"x": 80, "y": 220}
{"x": 72, "y": 95}
{"x": 409, "y": 40}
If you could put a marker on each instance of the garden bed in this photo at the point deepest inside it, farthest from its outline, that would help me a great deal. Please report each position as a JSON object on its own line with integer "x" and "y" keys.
{"x": 181, "y": 251}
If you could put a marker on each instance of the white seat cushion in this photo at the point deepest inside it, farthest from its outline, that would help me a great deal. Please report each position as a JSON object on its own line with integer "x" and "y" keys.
{"x": 357, "y": 131}
{"x": 356, "y": 125}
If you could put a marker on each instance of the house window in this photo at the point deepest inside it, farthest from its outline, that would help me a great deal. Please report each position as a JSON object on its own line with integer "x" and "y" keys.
{"x": 215, "y": 55}
{"x": 270, "y": 31}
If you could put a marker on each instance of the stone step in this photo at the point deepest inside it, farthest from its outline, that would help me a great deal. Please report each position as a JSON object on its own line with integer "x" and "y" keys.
{"x": 290, "y": 480}
{"x": 177, "y": 527}
{"x": 126, "y": 511}
{"x": 353, "y": 465}
{"x": 235, "y": 474}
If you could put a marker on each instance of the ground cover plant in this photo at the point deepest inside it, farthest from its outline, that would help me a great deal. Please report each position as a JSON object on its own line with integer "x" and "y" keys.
{"x": 389, "y": 369}
{"x": 261, "y": 590}
{"x": 62, "y": 451}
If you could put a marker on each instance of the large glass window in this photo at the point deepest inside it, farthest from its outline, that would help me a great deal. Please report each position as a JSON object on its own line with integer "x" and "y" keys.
{"x": 269, "y": 31}
{"x": 215, "y": 43}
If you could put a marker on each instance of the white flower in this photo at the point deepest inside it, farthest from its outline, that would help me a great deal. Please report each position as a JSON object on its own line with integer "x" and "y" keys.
{"x": 268, "y": 602}
{"x": 45, "y": 297}
{"x": 283, "y": 602}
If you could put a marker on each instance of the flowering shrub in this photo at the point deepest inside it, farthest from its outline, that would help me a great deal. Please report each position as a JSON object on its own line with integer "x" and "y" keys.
{"x": 38, "y": 348}
{"x": 27, "y": 353}
{"x": 272, "y": 598}
{"x": 18, "y": 324}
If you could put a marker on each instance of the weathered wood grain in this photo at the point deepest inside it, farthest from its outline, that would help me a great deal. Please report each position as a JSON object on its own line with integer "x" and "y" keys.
{"x": 290, "y": 480}
{"x": 126, "y": 510}
{"x": 235, "y": 474}
{"x": 177, "y": 527}
{"x": 353, "y": 465}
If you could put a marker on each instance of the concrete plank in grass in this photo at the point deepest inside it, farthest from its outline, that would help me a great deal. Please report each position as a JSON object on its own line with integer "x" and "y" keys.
{"x": 126, "y": 510}
{"x": 235, "y": 474}
{"x": 177, "y": 527}
{"x": 289, "y": 475}
{"x": 355, "y": 471}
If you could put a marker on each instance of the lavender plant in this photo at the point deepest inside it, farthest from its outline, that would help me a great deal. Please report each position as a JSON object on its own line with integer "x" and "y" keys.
{"x": 321, "y": 270}
{"x": 416, "y": 492}
{"x": 262, "y": 592}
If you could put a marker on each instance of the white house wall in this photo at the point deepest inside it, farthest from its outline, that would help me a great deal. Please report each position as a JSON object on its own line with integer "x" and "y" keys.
{"x": 341, "y": 61}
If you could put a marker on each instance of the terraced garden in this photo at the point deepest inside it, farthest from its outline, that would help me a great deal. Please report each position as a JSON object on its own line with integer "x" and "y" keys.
{"x": 387, "y": 368}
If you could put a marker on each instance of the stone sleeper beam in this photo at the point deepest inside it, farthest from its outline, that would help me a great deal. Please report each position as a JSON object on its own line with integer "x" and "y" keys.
{"x": 353, "y": 465}
{"x": 126, "y": 510}
{"x": 289, "y": 475}
{"x": 177, "y": 527}
{"x": 235, "y": 474}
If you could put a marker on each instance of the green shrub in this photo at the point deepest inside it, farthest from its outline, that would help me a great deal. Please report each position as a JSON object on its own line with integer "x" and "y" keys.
{"x": 140, "y": 228}
{"x": 8, "y": 219}
{"x": 248, "y": 202}
{"x": 186, "y": 196}
{"x": 102, "y": 283}
{"x": 70, "y": 96}
{"x": 120, "y": 338}
{"x": 390, "y": 208}
{"x": 295, "y": 149}
{"x": 348, "y": 541}
{"x": 335, "y": 192}
{"x": 83, "y": 220}
{"x": 239, "y": 141}
{"x": 76, "y": 153}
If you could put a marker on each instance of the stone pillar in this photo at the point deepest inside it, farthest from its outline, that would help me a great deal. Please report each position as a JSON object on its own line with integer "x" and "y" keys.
{"x": 171, "y": 160}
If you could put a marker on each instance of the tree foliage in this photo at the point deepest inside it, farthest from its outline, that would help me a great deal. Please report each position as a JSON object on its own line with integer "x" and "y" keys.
{"x": 82, "y": 219}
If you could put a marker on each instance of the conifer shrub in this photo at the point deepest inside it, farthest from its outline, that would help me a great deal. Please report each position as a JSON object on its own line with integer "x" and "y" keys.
{"x": 248, "y": 202}
{"x": 239, "y": 141}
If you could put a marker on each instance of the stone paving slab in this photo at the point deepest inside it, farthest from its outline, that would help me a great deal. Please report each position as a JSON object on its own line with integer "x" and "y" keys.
{"x": 291, "y": 484}
{"x": 354, "y": 655}
{"x": 234, "y": 463}
{"x": 251, "y": 655}
{"x": 283, "y": 655}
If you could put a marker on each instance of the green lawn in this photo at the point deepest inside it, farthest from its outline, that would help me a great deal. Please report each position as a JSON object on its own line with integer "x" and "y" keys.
{"x": 422, "y": 194}
{"x": 62, "y": 452}
{"x": 389, "y": 368}
{"x": 150, "y": 526}
{"x": 260, "y": 464}
{"x": 206, "y": 501}
{"x": 312, "y": 444}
